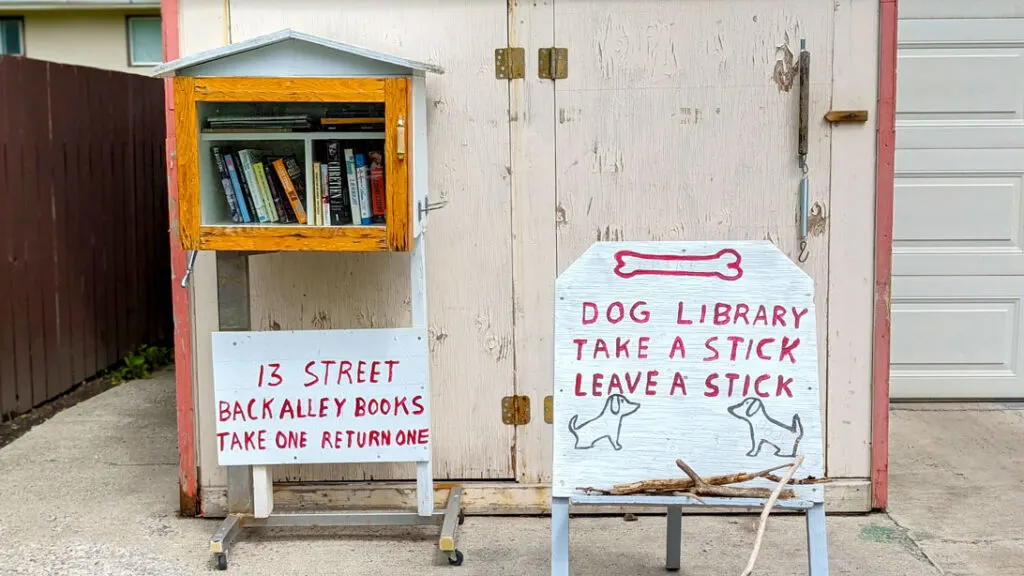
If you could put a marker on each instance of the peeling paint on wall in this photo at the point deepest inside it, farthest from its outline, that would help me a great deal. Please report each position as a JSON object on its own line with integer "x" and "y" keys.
{"x": 560, "y": 216}
{"x": 689, "y": 115}
{"x": 785, "y": 66}
{"x": 817, "y": 221}
{"x": 610, "y": 234}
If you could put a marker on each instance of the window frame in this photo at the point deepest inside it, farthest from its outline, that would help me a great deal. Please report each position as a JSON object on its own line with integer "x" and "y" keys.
{"x": 128, "y": 39}
{"x": 21, "y": 33}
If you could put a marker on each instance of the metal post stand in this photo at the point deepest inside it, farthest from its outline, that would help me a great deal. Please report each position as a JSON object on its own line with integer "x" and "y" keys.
{"x": 250, "y": 489}
{"x": 449, "y": 519}
{"x": 817, "y": 546}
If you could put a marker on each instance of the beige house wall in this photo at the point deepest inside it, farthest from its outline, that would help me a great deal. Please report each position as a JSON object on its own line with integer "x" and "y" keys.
{"x": 96, "y": 38}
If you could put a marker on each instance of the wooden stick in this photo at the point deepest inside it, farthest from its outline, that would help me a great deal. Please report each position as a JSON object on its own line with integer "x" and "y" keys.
{"x": 741, "y": 476}
{"x": 684, "y": 484}
{"x": 702, "y": 488}
{"x": 667, "y": 485}
{"x": 802, "y": 481}
{"x": 763, "y": 521}
{"x": 689, "y": 472}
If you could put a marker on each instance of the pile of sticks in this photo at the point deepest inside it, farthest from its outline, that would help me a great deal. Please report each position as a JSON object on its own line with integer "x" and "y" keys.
{"x": 696, "y": 487}
{"x": 714, "y": 486}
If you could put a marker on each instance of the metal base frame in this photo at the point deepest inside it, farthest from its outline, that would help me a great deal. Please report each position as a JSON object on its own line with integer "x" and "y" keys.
{"x": 817, "y": 546}
{"x": 449, "y": 519}
{"x": 250, "y": 488}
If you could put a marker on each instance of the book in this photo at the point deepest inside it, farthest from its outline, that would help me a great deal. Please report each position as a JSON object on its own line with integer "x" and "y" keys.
{"x": 243, "y": 206}
{"x": 378, "y": 196}
{"x": 249, "y": 179}
{"x": 363, "y": 181}
{"x": 247, "y": 194}
{"x": 257, "y": 121}
{"x": 272, "y": 204}
{"x": 225, "y": 182}
{"x": 285, "y": 167}
{"x": 288, "y": 215}
{"x": 326, "y": 197}
{"x": 353, "y": 187}
{"x": 338, "y": 197}
{"x": 317, "y": 208}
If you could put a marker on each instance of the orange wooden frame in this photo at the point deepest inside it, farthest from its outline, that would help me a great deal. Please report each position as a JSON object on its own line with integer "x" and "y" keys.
{"x": 394, "y": 92}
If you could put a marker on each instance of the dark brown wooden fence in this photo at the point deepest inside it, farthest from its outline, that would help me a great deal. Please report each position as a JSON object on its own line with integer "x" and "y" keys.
{"x": 83, "y": 225}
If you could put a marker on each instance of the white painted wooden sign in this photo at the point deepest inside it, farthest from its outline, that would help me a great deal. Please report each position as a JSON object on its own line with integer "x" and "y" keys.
{"x": 700, "y": 351}
{"x": 321, "y": 396}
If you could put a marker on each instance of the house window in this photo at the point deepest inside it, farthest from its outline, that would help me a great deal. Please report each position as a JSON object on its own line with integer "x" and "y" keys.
{"x": 145, "y": 47}
{"x": 11, "y": 36}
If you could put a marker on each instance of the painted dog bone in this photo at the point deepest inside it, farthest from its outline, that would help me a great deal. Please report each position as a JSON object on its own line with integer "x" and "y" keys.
{"x": 724, "y": 264}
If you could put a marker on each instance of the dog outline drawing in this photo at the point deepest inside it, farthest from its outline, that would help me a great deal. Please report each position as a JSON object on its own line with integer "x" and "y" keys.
{"x": 766, "y": 430}
{"x": 607, "y": 424}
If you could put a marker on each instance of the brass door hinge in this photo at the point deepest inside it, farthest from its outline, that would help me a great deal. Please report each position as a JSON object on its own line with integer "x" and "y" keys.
{"x": 515, "y": 410}
{"x": 553, "y": 63}
{"x": 549, "y": 409}
{"x": 509, "y": 63}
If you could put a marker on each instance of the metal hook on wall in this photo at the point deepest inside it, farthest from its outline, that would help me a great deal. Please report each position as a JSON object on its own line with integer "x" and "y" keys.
{"x": 805, "y": 65}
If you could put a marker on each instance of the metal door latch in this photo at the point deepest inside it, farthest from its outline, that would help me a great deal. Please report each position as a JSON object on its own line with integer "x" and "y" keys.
{"x": 425, "y": 206}
{"x": 188, "y": 268}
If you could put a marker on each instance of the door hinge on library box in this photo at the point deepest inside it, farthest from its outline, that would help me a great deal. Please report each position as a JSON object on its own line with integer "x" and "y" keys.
{"x": 515, "y": 410}
{"x": 553, "y": 63}
{"x": 509, "y": 63}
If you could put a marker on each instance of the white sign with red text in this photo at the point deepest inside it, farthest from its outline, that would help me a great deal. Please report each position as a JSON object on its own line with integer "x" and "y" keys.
{"x": 321, "y": 396}
{"x": 700, "y": 351}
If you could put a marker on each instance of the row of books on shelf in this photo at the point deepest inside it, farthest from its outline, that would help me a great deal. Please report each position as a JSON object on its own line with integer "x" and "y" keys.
{"x": 260, "y": 187}
{"x": 349, "y": 183}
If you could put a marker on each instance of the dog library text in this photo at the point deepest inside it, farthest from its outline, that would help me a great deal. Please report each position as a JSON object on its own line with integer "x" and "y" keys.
{"x": 633, "y": 352}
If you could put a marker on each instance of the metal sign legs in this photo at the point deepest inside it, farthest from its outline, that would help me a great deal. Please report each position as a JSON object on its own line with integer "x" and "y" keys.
{"x": 817, "y": 549}
{"x": 250, "y": 488}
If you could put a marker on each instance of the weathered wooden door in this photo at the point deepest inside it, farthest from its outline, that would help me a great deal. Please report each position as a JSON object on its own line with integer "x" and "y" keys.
{"x": 677, "y": 120}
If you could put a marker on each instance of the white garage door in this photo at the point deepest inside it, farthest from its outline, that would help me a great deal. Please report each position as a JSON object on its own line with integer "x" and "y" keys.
{"x": 958, "y": 264}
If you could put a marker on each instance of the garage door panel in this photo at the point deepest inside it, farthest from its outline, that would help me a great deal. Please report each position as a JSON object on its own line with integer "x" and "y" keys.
{"x": 946, "y": 68}
{"x": 956, "y": 338}
{"x": 932, "y": 9}
{"x": 942, "y": 85}
{"x": 958, "y": 32}
{"x": 966, "y": 212}
{"x": 958, "y": 223}
{"x": 952, "y": 162}
{"x": 954, "y": 138}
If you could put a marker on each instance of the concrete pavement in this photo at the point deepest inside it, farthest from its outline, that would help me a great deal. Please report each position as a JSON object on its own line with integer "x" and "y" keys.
{"x": 93, "y": 491}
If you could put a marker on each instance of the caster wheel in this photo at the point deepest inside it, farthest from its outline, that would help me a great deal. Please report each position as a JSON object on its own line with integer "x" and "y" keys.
{"x": 462, "y": 517}
{"x": 222, "y": 561}
{"x": 455, "y": 558}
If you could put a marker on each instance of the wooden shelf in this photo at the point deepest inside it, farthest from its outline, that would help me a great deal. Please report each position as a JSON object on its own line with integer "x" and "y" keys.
{"x": 286, "y": 237}
{"x": 294, "y": 136}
